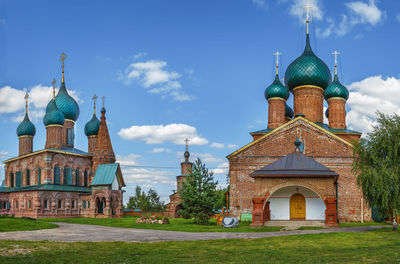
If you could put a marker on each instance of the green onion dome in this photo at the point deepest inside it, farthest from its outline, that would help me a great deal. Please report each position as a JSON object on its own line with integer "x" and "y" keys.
{"x": 327, "y": 113}
{"x": 288, "y": 111}
{"x": 307, "y": 69}
{"x": 336, "y": 89}
{"x": 92, "y": 127}
{"x": 53, "y": 116}
{"x": 276, "y": 89}
{"x": 26, "y": 127}
{"x": 66, "y": 104}
{"x": 187, "y": 154}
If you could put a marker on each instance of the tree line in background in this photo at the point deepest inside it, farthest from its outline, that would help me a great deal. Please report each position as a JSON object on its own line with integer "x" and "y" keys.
{"x": 146, "y": 202}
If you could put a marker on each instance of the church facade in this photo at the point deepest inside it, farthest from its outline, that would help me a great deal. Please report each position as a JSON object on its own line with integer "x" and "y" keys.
{"x": 299, "y": 168}
{"x": 60, "y": 180}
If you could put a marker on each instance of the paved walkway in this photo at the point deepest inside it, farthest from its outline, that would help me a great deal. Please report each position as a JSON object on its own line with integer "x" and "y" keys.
{"x": 78, "y": 232}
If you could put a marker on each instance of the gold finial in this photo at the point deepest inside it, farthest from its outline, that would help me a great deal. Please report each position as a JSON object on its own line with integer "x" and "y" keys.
{"x": 62, "y": 58}
{"x": 26, "y": 102}
{"x": 336, "y": 53}
{"x": 54, "y": 88}
{"x": 277, "y": 61}
{"x": 308, "y": 8}
{"x": 103, "y": 98}
{"x": 94, "y": 103}
{"x": 187, "y": 144}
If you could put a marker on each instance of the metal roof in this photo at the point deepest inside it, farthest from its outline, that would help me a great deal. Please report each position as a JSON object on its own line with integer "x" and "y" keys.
{"x": 105, "y": 174}
{"x": 294, "y": 165}
{"x": 47, "y": 187}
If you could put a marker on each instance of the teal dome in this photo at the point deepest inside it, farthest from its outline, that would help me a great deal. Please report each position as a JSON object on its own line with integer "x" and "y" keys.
{"x": 187, "y": 154}
{"x": 276, "y": 89}
{"x": 92, "y": 127}
{"x": 288, "y": 111}
{"x": 53, "y": 116}
{"x": 26, "y": 127}
{"x": 66, "y": 104}
{"x": 336, "y": 89}
{"x": 307, "y": 69}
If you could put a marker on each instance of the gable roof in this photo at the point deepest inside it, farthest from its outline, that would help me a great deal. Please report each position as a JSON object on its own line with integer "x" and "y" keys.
{"x": 295, "y": 165}
{"x": 285, "y": 125}
{"x": 105, "y": 174}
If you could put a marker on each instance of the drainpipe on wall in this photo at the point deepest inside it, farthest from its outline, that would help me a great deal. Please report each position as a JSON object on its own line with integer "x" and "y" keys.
{"x": 337, "y": 205}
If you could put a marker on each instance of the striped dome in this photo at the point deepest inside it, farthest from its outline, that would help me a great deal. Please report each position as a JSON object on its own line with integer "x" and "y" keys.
{"x": 307, "y": 69}
{"x": 26, "y": 127}
{"x": 276, "y": 89}
{"x": 66, "y": 104}
{"x": 92, "y": 127}
{"x": 53, "y": 116}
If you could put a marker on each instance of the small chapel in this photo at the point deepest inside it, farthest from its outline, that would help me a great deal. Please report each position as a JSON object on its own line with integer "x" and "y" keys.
{"x": 61, "y": 180}
{"x": 299, "y": 168}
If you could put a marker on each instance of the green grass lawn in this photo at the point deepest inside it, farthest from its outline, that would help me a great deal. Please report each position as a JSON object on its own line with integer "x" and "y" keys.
{"x": 19, "y": 224}
{"x": 176, "y": 224}
{"x": 380, "y": 246}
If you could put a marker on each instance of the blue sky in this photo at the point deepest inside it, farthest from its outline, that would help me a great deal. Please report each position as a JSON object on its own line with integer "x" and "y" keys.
{"x": 176, "y": 69}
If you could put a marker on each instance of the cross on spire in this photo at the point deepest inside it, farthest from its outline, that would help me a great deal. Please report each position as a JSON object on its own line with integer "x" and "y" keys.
{"x": 26, "y": 102}
{"x": 62, "y": 58}
{"x": 308, "y": 8}
{"x": 94, "y": 98}
{"x": 277, "y": 54}
{"x": 336, "y": 53}
{"x": 54, "y": 88}
{"x": 187, "y": 144}
{"x": 103, "y": 99}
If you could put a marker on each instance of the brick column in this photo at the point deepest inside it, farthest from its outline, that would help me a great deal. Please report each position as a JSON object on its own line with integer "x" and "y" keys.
{"x": 53, "y": 136}
{"x": 25, "y": 145}
{"x": 69, "y": 124}
{"x": 276, "y": 112}
{"x": 92, "y": 143}
{"x": 337, "y": 112}
{"x": 330, "y": 212}
{"x": 309, "y": 101}
{"x": 257, "y": 213}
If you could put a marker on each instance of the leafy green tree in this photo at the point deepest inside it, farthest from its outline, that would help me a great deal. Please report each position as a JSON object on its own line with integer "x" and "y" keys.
{"x": 149, "y": 202}
{"x": 377, "y": 163}
{"x": 220, "y": 201}
{"x": 198, "y": 194}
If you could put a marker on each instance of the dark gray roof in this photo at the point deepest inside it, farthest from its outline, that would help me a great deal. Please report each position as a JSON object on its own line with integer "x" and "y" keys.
{"x": 294, "y": 165}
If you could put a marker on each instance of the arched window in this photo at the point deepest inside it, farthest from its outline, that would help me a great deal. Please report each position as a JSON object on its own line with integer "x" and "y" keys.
{"x": 11, "y": 179}
{"x": 77, "y": 182}
{"x": 56, "y": 175}
{"x": 67, "y": 176}
{"x": 59, "y": 203}
{"x": 28, "y": 177}
{"x": 85, "y": 178}
{"x": 73, "y": 204}
{"x": 29, "y": 204}
{"x": 38, "y": 176}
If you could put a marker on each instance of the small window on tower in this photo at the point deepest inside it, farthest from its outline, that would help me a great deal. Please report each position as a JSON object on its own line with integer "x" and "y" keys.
{"x": 70, "y": 136}
{"x": 46, "y": 204}
{"x": 29, "y": 204}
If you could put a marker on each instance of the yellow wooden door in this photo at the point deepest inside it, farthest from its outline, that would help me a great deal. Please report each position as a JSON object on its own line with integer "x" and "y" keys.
{"x": 297, "y": 206}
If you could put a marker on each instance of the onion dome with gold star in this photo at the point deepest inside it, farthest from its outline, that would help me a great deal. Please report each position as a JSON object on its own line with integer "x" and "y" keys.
{"x": 26, "y": 127}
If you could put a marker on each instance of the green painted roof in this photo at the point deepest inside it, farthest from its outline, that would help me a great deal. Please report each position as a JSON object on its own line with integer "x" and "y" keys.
{"x": 336, "y": 89}
{"x": 262, "y": 131}
{"x": 337, "y": 130}
{"x": 26, "y": 128}
{"x": 307, "y": 69}
{"x": 53, "y": 115}
{"x": 67, "y": 105}
{"x": 92, "y": 127}
{"x": 47, "y": 187}
{"x": 276, "y": 89}
{"x": 105, "y": 174}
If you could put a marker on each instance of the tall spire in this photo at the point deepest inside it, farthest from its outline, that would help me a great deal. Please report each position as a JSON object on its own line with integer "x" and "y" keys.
{"x": 336, "y": 53}
{"x": 26, "y": 102}
{"x": 54, "y": 88}
{"x": 94, "y": 98}
{"x": 62, "y": 58}
{"x": 277, "y": 54}
{"x": 308, "y": 8}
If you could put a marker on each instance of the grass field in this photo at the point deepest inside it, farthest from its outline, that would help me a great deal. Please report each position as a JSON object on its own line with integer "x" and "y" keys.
{"x": 176, "y": 224}
{"x": 380, "y": 246}
{"x": 18, "y": 224}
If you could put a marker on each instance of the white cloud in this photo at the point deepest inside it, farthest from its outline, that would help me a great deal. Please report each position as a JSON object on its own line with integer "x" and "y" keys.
{"x": 129, "y": 160}
{"x": 153, "y": 76}
{"x": 148, "y": 176}
{"x": 260, "y": 3}
{"x": 139, "y": 55}
{"x": 221, "y": 168}
{"x": 11, "y": 99}
{"x": 364, "y": 13}
{"x": 232, "y": 146}
{"x": 157, "y": 134}
{"x": 217, "y": 145}
{"x": 205, "y": 157}
{"x": 297, "y": 9}
{"x": 159, "y": 150}
{"x": 369, "y": 95}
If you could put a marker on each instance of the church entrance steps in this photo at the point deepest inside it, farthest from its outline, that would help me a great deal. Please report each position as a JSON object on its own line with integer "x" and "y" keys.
{"x": 295, "y": 224}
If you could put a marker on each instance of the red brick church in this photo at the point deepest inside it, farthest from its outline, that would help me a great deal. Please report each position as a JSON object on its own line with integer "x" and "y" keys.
{"x": 299, "y": 168}
{"x": 60, "y": 180}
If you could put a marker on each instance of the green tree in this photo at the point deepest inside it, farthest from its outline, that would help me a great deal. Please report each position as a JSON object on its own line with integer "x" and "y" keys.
{"x": 377, "y": 163}
{"x": 149, "y": 202}
{"x": 220, "y": 201}
{"x": 198, "y": 194}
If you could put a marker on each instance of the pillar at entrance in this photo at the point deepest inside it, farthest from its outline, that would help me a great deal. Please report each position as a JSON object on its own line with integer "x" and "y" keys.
{"x": 258, "y": 212}
{"x": 330, "y": 212}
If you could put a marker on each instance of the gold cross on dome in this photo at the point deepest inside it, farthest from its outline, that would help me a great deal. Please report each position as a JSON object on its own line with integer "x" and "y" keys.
{"x": 277, "y": 54}
{"x": 26, "y": 102}
{"x": 336, "y": 53}
{"x": 187, "y": 144}
{"x": 94, "y": 98}
{"x": 54, "y": 87}
{"x": 308, "y": 8}
{"x": 104, "y": 98}
{"x": 62, "y": 58}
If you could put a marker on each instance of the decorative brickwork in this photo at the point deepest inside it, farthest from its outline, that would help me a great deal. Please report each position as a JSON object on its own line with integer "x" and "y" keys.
{"x": 276, "y": 112}
{"x": 103, "y": 152}
{"x": 53, "y": 136}
{"x": 309, "y": 101}
{"x": 25, "y": 145}
{"x": 337, "y": 113}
